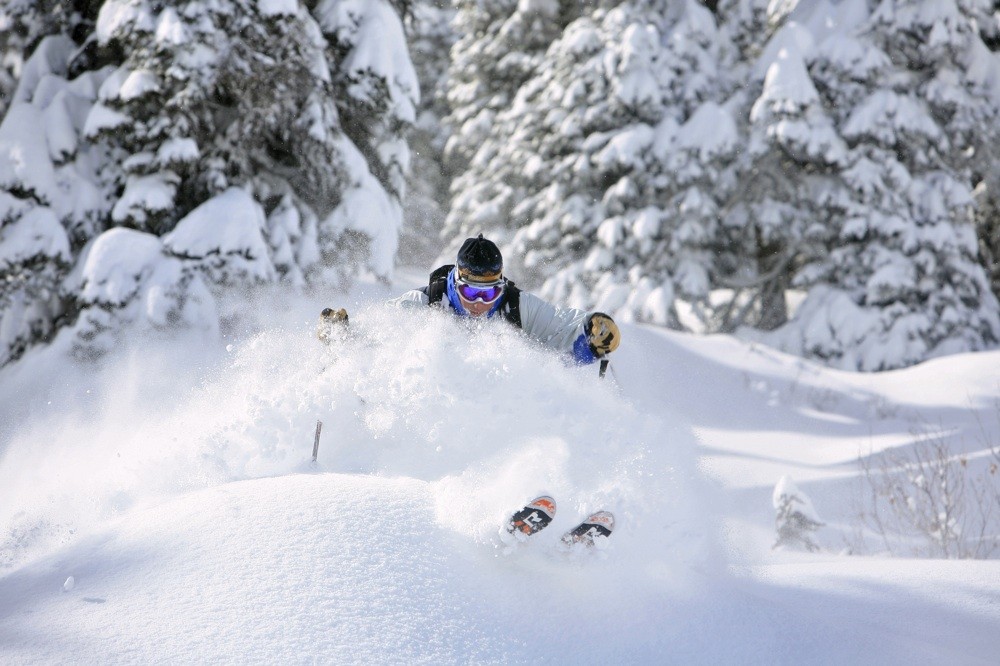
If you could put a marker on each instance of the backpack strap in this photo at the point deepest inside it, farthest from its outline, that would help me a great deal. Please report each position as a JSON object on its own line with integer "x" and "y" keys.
{"x": 437, "y": 285}
{"x": 511, "y": 310}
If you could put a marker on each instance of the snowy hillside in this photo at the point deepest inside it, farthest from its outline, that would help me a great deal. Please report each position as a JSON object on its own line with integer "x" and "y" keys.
{"x": 163, "y": 506}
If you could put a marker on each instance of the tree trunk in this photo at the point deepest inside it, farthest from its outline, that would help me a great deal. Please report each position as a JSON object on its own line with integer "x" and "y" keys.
{"x": 773, "y": 307}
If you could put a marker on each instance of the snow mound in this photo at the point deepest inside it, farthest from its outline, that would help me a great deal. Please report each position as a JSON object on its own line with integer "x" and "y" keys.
{"x": 349, "y": 567}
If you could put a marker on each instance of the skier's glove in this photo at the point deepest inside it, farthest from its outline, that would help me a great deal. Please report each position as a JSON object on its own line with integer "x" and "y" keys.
{"x": 602, "y": 334}
{"x": 332, "y": 324}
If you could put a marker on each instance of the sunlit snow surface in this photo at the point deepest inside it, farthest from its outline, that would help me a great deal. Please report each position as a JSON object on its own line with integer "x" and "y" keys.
{"x": 174, "y": 485}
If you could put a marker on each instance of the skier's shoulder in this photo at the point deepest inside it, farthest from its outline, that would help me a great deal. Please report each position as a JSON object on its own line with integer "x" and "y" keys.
{"x": 531, "y": 299}
{"x": 535, "y": 307}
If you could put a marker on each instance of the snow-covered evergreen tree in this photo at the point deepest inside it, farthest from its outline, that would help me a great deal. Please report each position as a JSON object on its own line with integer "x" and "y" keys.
{"x": 431, "y": 37}
{"x": 867, "y": 143}
{"x": 614, "y": 162}
{"x": 174, "y": 120}
{"x": 11, "y": 58}
{"x": 233, "y": 92}
{"x": 24, "y": 23}
{"x": 749, "y": 24}
{"x": 48, "y": 206}
{"x": 988, "y": 230}
{"x": 126, "y": 277}
{"x": 781, "y": 216}
{"x": 376, "y": 92}
{"x": 986, "y": 15}
{"x": 501, "y": 45}
{"x": 795, "y": 518}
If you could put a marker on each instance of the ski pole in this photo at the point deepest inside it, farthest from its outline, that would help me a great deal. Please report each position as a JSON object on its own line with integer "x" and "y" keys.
{"x": 319, "y": 426}
{"x": 604, "y": 367}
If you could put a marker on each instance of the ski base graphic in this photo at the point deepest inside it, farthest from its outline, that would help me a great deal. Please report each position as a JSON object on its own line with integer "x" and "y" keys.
{"x": 533, "y": 517}
{"x": 593, "y": 531}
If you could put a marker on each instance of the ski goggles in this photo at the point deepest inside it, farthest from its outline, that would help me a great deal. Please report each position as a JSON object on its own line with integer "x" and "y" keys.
{"x": 484, "y": 293}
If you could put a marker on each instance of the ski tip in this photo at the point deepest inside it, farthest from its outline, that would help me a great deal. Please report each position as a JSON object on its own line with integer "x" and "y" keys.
{"x": 593, "y": 531}
{"x": 605, "y": 518}
{"x": 544, "y": 503}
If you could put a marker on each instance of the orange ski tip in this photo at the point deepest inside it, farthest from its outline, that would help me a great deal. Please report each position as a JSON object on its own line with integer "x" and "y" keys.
{"x": 545, "y": 503}
{"x": 603, "y": 518}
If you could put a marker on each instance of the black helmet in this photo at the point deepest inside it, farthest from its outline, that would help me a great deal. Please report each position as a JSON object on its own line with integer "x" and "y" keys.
{"x": 479, "y": 260}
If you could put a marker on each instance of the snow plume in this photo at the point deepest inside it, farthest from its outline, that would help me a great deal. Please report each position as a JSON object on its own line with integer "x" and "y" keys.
{"x": 482, "y": 415}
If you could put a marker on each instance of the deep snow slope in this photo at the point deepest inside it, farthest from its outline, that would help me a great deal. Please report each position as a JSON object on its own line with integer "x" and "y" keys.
{"x": 341, "y": 568}
{"x": 354, "y": 569}
{"x": 174, "y": 486}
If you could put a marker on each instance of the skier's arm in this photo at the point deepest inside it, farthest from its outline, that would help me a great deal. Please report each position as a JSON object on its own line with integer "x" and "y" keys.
{"x": 563, "y": 329}
{"x": 415, "y": 298}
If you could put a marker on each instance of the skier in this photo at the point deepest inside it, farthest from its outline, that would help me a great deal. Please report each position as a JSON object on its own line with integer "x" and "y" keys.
{"x": 475, "y": 287}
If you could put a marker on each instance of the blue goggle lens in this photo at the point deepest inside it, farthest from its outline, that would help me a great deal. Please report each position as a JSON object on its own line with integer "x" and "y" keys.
{"x": 484, "y": 294}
